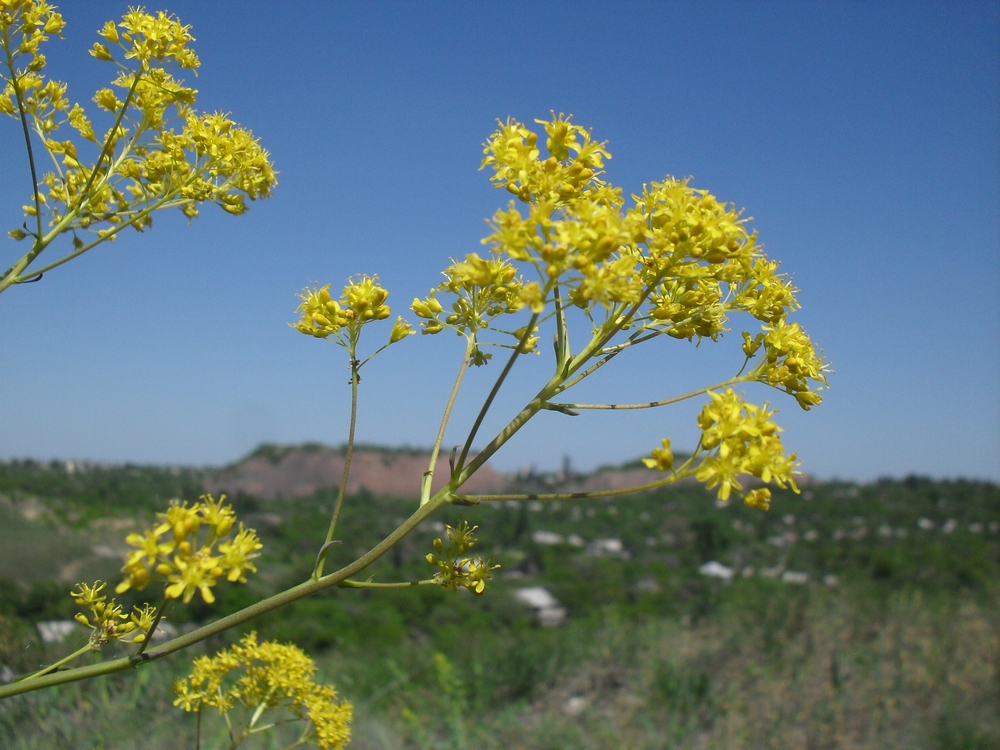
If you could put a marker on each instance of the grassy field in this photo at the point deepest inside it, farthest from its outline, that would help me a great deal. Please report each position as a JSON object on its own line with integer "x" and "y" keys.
{"x": 856, "y": 617}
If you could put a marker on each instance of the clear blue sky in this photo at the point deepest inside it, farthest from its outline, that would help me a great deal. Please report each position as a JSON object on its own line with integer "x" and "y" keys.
{"x": 862, "y": 137}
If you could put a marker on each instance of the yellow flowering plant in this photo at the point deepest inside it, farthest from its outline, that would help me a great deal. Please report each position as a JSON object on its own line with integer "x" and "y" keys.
{"x": 156, "y": 151}
{"x": 273, "y": 683}
{"x": 569, "y": 259}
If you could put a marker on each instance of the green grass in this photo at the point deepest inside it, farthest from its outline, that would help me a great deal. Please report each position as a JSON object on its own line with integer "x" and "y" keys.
{"x": 901, "y": 652}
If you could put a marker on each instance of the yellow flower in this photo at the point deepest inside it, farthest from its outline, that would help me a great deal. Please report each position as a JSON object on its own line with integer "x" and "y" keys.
{"x": 107, "y": 619}
{"x": 484, "y": 289}
{"x": 722, "y": 472}
{"x": 237, "y": 554}
{"x": 195, "y": 574}
{"x": 180, "y": 519}
{"x": 150, "y": 547}
{"x": 268, "y": 677}
{"x": 662, "y": 457}
{"x": 216, "y": 514}
{"x": 363, "y": 301}
{"x": 454, "y": 570}
{"x": 400, "y": 330}
{"x": 142, "y": 620}
{"x": 101, "y": 52}
{"x": 759, "y": 498}
{"x": 172, "y": 551}
{"x": 791, "y": 361}
{"x": 89, "y": 595}
{"x": 743, "y": 440}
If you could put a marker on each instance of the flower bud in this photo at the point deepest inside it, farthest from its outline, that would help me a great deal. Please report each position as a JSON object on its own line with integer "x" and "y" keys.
{"x": 101, "y": 52}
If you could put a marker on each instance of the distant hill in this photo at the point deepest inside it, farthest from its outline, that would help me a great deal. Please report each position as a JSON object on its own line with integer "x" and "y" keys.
{"x": 275, "y": 472}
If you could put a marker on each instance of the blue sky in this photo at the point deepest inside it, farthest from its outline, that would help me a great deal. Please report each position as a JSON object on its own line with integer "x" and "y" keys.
{"x": 862, "y": 138}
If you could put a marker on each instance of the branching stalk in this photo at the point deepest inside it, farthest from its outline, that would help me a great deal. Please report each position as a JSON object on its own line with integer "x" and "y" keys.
{"x": 237, "y": 618}
{"x": 152, "y": 628}
{"x": 493, "y": 392}
{"x": 425, "y": 489}
{"x": 55, "y": 667}
{"x": 23, "y": 116}
{"x": 647, "y": 404}
{"x": 394, "y": 585}
{"x": 674, "y": 477}
{"x": 109, "y": 142}
{"x": 318, "y": 570}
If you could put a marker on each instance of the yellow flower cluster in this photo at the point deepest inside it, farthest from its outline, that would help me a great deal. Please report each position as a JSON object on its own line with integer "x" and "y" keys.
{"x": 484, "y": 289}
{"x": 160, "y": 152}
{"x": 173, "y": 552}
{"x": 266, "y": 677}
{"x": 107, "y": 619}
{"x": 361, "y": 302}
{"x": 517, "y": 165}
{"x": 742, "y": 439}
{"x": 576, "y": 232}
{"x": 456, "y": 570}
{"x": 25, "y": 25}
{"x": 678, "y": 261}
{"x": 146, "y": 38}
{"x": 791, "y": 361}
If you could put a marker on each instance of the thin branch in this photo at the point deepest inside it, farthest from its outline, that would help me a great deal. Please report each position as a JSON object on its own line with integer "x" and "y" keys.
{"x": 165, "y": 202}
{"x": 152, "y": 628}
{"x": 237, "y": 618}
{"x": 562, "y": 332}
{"x": 610, "y": 355}
{"x": 318, "y": 570}
{"x": 109, "y": 142}
{"x": 648, "y": 404}
{"x": 531, "y": 409}
{"x": 632, "y": 341}
{"x": 425, "y": 487}
{"x": 395, "y": 585}
{"x": 27, "y": 143}
{"x": 496, "y": 389}
{"x": 674, "y": 477}
{"x": 55, "y": 667}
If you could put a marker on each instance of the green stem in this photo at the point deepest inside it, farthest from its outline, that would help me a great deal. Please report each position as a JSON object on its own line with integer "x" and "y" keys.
{"x": 106, "y": 151}
{"x": 12, "y": 275}
{"x": 496, "y": 389}
{"x": 425, "y": 488}
{"x": 531, "y": 409}
{"x": 539, "y": 402}
{"x": 601, "y": 340}
{"x": 562, "y": 333}
{"x": 634, "y": 339}
{"x": 261, "y": 708}
{"x": 397, "y": 585}
{"x": 55, "y": 667}
{"x": 237, "y": 618}
{"x": 23, "y": 116}
{"x": 302, "y": 737}
{"x": 318, "y": 569}
{"x": 674, "y": 477}
{"x": 556, "y": 384}
{"x": 607, "y": 356}
{"x": 648, "y": 404}
{"x": 165, "y": 202}
{"x": 152, "y": 628}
